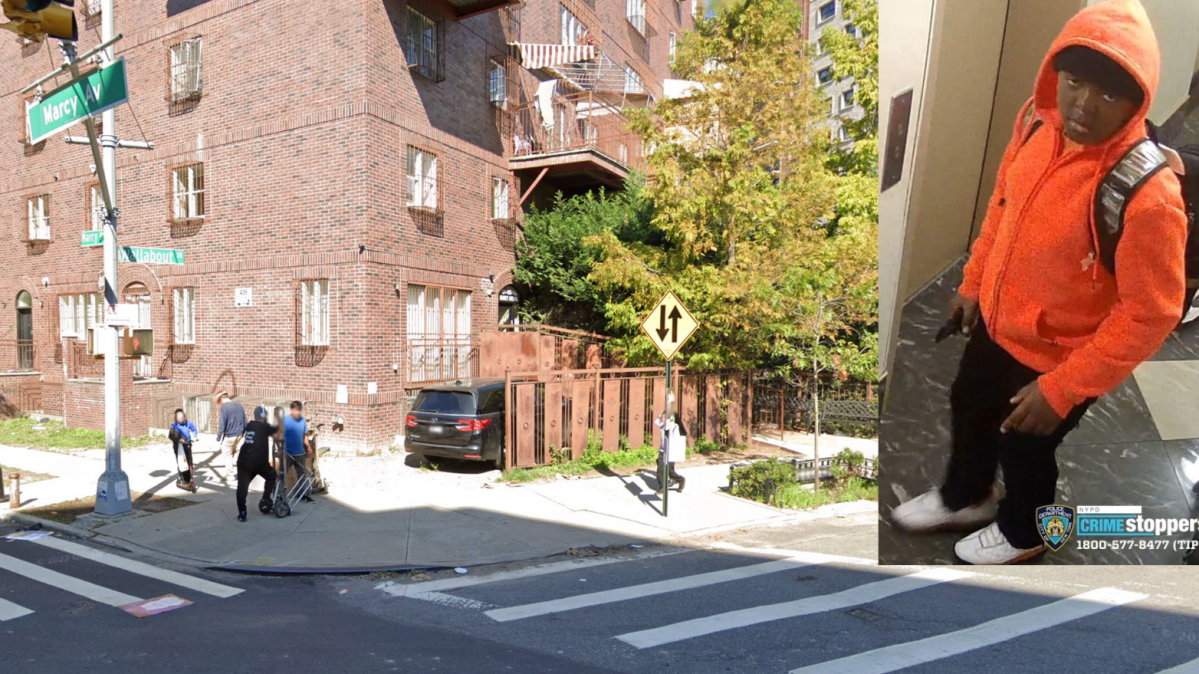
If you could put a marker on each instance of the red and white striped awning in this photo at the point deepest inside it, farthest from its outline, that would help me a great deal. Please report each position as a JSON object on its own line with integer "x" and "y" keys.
{"x": 538, "y": 56}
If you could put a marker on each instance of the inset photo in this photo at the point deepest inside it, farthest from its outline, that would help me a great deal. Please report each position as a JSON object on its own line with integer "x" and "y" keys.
{"x": 1039, "y": 353}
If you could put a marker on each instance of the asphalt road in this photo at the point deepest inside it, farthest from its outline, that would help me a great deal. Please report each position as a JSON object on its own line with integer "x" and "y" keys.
{"x": 804, "y": 599}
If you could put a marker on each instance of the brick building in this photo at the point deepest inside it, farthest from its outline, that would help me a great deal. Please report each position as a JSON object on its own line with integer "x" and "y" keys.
{"x": 345, "y": 187}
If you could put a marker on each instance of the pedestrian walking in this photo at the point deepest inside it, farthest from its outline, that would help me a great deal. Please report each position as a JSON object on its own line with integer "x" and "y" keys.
{"x": 182, "y": 434}
{"x": 295, "y": 441}
{"x": 254, "y": 460}
{"x": 1050, "y": 330}
{"x": 672, "y": 433}
{"x": 230, "y": 429}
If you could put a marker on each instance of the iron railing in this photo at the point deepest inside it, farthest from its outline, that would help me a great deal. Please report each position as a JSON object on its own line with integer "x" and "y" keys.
{"x": 578, "y": 122}
{"x": 16, "y": 355}
{"x": 435, "y": 358}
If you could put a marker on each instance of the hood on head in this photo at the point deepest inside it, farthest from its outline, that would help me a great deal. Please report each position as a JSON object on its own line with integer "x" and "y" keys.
{"x": 1120, "y": 30}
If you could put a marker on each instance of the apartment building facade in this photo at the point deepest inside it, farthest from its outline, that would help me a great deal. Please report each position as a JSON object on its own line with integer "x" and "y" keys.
{"x": 822, "y": 15}
{"x": 340, "y": 192}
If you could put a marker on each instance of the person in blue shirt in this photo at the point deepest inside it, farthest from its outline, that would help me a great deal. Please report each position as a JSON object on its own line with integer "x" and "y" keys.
{"x": 183, "y": 434}
{"x": 295, "y": 440}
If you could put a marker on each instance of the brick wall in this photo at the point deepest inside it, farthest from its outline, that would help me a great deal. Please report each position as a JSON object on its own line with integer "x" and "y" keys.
{"x": 302, "y": 129}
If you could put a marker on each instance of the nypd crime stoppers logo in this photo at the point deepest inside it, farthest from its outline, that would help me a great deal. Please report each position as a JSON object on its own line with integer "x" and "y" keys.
{"x": 1056, "y": 523}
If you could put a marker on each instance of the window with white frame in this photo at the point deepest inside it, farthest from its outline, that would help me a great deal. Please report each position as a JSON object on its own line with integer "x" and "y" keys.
{"x": 824, "y": 75}
{"x": 499, "y": 199}
{"x": 422, "y": 44}
{"x": 439, "y": 331}
{"x": 39, "y": 217}
{"x": 634, "y": 11}
{"x": 187, "y": 69}
{"x": 497, "y": 85}
{"x": 185, "y": 315}
{"x": 851, "y": 30}
{"x": 95, "y": 203}
{"x": 422, "y": 179}
{"x": 188, "y": 192}
{"x": 847, "y": 98}
{"x": 572, "y": 30}
{"x": 843, "y": 135}
{"x": 632, "y": 81}
{"x": 79, "y": 313}
{"x": 622, "y": 153}
{"x": 314, "y": 312}
{"x": 92, "y": 7}
{"x": 672, "y": 45}
{"x": 827, "y": 11}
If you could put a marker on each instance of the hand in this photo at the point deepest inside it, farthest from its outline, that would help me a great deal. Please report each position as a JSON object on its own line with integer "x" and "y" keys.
{"x": 967, "y": 309}
{"x": 1032, "y": 414}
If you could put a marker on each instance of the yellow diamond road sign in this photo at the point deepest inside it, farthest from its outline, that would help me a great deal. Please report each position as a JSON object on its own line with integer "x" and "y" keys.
{"x": 669, "y": 325}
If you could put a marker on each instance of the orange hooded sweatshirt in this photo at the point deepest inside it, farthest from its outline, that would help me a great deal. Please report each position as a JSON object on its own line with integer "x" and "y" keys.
{"x": 1034, "y": 268}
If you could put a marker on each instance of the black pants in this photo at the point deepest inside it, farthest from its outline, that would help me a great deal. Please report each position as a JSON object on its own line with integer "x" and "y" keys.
{"x": 988, "y": 378}
{"x": 663, "y": 467}
{"x": 246, "y": 475}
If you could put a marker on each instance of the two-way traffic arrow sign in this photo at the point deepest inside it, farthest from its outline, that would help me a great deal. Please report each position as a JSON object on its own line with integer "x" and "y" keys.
{"x": 669, "y": 325}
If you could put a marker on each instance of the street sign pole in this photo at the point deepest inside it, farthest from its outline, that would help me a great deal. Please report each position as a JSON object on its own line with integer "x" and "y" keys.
{"x": 112, "y": 490}
{"x": 666, "y": 455}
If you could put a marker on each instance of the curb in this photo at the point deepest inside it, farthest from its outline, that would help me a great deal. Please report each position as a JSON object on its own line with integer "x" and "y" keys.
{"x": 48, "y": 524}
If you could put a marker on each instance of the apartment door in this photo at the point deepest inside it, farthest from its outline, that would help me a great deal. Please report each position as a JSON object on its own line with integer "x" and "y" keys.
{"x": 24, "y": 331}
{"x": 905, "y": 34}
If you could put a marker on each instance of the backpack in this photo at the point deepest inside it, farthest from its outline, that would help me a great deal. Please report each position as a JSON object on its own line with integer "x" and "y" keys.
{"x": 1120, "y": 185}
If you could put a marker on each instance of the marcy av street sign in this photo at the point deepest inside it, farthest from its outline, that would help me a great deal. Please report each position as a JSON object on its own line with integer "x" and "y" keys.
{"x": 89, "y": 95}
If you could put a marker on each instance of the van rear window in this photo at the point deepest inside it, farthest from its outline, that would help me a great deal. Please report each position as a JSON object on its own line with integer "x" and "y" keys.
{"x": 445, "y": 402}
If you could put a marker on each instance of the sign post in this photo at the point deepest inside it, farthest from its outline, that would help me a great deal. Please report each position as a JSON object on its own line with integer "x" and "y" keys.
{"x": 669, "y": 325}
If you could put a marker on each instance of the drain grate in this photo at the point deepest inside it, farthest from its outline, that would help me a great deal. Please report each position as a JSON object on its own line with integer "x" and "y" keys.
{"x": 863, "y": 614}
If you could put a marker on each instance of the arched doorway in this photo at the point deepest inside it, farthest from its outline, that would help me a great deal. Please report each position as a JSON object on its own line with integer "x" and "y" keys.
{"x": 24, "y": 331}
{"x": 509, "y": 301}
{"x": 137, "y": 293}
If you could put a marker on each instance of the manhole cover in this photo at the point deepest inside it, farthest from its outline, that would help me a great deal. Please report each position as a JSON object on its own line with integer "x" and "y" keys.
{"x": 81, "y": 607}
{"x": 863, "y": 614}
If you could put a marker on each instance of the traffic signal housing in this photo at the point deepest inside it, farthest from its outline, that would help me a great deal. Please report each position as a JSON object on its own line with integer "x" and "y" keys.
{"x": 36, "y": 19}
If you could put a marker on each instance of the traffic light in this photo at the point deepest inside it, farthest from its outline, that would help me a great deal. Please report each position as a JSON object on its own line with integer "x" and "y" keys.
{"x": 35, "y": 19}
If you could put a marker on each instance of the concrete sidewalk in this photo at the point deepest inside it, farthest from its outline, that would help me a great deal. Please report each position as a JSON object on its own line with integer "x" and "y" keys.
{"x": 380, "y": 511}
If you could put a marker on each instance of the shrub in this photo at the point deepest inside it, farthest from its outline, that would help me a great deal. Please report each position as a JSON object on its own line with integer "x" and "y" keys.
{"x": 757, "y": 480}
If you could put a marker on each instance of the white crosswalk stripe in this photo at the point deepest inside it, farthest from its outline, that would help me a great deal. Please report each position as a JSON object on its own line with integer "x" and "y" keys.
{"x": 661, "y": 587}
{"x": 140, "y": 568}
{"x": 62, "y": 581}
{"x": 9, "y": 610}
{"x": 862, "y": 594}
{"x": 910, "y": 654}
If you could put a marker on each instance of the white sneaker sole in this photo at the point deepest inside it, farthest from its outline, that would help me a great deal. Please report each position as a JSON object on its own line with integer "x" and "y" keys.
{"x": 1022, "y": 557}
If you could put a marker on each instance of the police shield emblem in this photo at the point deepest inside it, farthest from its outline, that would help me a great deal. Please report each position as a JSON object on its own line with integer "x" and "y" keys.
{"x": 1056, "y": 523}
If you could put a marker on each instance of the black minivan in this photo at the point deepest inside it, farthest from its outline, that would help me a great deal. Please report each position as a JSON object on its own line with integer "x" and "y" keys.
{"x": 463, "y": 419}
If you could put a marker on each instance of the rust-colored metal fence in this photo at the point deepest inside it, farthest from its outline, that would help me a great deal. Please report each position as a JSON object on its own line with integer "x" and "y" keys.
{"x": 848, "y": 407}
{"x": 559, "y": 410}
{"x": 582, "y": 121}
{"x": 81, "y": 364}
{"x": 441, "y": 358}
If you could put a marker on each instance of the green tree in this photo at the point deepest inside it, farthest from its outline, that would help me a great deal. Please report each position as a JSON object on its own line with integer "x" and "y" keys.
{"x": 554, "y": 259}
{"x": 740, "y": 189}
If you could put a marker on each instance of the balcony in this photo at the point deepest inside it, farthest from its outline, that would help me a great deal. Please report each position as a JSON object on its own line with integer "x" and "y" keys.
{"x": 577, "y": 140}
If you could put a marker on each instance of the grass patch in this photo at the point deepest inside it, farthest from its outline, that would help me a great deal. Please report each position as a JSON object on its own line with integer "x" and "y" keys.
{"x": 67, "y": 511}
{"x": 775, "y": 483}
{"x": 27, "y": 476}
{"x": 20, "y": 432}
{"x": 594, "y": 459}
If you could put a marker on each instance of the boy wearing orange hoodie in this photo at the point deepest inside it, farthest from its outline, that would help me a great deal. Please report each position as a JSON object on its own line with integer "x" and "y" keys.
{"x": 1050, "y": 328}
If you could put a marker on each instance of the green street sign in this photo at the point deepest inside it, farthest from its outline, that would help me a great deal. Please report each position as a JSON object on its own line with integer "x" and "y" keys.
{"x": 150, "y": 255}
{"x": 93, "y": 237}
{"x": 89, "y": 95}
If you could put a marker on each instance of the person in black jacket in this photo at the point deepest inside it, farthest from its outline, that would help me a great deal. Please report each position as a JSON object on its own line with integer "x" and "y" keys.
{"x": 254, "y": 460}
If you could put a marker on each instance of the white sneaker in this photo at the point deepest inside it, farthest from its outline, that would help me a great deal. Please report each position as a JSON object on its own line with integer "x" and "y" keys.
{"x": 989, "y": 546}
{"x": 927, "y": 512}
